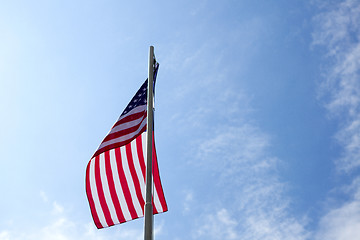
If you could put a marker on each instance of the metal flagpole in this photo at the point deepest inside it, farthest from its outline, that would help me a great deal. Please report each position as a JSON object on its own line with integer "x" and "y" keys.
{"x": 148, "y": 225}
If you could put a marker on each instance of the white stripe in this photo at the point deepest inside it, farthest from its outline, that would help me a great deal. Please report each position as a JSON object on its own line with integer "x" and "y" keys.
{"x": 144, "y": 147}
{"x": 156, "y": 199}
{"x": 118, "y": 188}
{"x": 95, "y": 195}
{"x": 124, "y": 137}
{"x": 130, "y": 182}
{"x": 135, "y": 110}
{"x": 138, "y": 167}
{"x": 138, "y": 109}
{"x": 144, "y": 144}
{"x": 127, "y": 125}
{"x": 105, "y": 186}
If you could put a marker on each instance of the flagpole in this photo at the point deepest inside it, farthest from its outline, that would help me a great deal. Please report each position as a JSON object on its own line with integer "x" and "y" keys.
{"x": 148, "y": 223}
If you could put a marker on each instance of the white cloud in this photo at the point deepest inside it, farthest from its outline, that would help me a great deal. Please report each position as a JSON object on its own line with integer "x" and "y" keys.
{"x": 246, "y": 199}
{"x": 337, "y": 25}
{"x": 4, "y": 235}
{"x": 62, "y": 227}
{"x": 270, "y": 227}
{"x": 219, "y": 225}
{"x": 253, "y": 203}
{"x": 343, "y": 222}
{"x": 338, "y": 30}
{"x": 44, "y": 197}
{"x": 188, "y": 201}
{"x": 57, "y": 208}
{"x": 349, "y": 137}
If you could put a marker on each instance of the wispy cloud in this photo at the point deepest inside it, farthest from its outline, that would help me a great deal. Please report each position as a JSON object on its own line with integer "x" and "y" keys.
{"x": 188, "y": 201}
{"x": 338, "y": 31}
{"x": 254, "y": 203}
{"x": 219, "y": 225}
{"x": 44, "y": 197}
{"x": 61, "y": 226}
{"x": 4, "y": 235}
{"x": 343, "y": 222}
{"x": 236, "y": 155}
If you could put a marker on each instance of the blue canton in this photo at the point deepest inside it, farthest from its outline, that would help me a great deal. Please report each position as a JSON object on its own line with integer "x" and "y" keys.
{"x": 140, "y": 98}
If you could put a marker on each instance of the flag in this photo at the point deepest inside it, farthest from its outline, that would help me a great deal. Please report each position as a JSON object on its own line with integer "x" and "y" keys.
{"x": 115, "y": 175}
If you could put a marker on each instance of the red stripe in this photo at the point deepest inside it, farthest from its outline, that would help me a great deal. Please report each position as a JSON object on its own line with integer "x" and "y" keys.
{"x": 117, "y": 144}
{"x": 100, "y": 192}
{"x": 123, "y": 132}
{"x": 124, "y": 184}
{"x": 130, "y": 118}
{"x": 141, "y": 155}
{"x": 134, "y": 176}
{"x": 155, "y": 211}
{"x": 111, "y": 183}
{"x": 157, "y": 181}
{"x": 90, "y": 198}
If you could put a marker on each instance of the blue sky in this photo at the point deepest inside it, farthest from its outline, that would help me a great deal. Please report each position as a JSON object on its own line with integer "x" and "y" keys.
{"x": 257, "y": 117}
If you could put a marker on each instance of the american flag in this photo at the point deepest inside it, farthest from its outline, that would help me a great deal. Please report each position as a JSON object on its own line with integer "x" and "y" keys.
{"x": 115, "y": 175}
